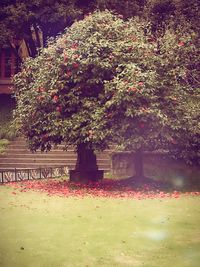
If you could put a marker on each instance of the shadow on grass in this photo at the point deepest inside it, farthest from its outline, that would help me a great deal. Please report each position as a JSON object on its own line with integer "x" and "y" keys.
{"x": 133, "y": 183}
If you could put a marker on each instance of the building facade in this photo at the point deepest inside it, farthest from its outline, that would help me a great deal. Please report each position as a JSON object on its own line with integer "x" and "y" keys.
{"x": 9, "y": 66}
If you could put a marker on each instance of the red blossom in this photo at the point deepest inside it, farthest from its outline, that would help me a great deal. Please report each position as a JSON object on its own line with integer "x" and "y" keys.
{"x": 151, "y": 40}
{"x": 134, "y": 37}
{"x": 140, "y": 84}
{"x": 44, "y": 137}
{"x": 59, "y": 109}
{"x": 40, "y": 98}
{"x": 141, "y": 125}
{"x": 65, "y": 58}
{"x": 106, "y": 188}
{"x": 181, "y": 43}
{"x": 74, "y": 46}
{"x": 55, "y": 98}
{"x": 68, "y": 74}
{"x": 132, "y": 89}
{"x": 173, "y": 141}
{"x": 173, "y": 98}
{"x": 75, "y": 65}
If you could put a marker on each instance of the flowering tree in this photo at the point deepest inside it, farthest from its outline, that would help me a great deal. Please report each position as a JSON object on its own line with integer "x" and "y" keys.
{"x": 155, "y": 103}
{"x": 105, "y": 80}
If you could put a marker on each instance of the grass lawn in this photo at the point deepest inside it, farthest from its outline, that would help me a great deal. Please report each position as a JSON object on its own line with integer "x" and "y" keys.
{"x": 40, "y": 230}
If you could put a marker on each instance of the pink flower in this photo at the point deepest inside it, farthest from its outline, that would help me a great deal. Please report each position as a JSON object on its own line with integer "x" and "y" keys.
{"x": 141, "y": 125}
{"x": 58, "y": 109}
{"x": 140, "y": 84}
{"x": 181, "y": 43}
{"x": 75, "y": 65}
{"x": 68, "y": 74}
{"x": 74, "y": 46}
{"x": 173, "y": 98}
{"x": 132, "y": 89}
{"x": 55, "y": 98}
{"x": 173, "y": 141}
{"x": 40, "y": 98}
{"x": 133, "y": 37}
{"x": 65, "y": 58}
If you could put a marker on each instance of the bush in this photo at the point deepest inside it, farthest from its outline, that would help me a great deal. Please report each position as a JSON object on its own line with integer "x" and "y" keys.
{"x": 7, "y": 128}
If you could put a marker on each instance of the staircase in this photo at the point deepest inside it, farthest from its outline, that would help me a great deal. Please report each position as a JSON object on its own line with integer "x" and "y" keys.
{"x": 18, "y": 156}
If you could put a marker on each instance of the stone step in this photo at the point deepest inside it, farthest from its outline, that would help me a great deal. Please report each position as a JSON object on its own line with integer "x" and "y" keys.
{"x": 3, "y": 166}
{"x": 47, "y": 155}
{"x": 23, "y": 149}
{"x": 25, "y": 157}
{"x": 43, "y": 160}
{"x": 17, "y": 155}
{"x": 18, "y": 146}
{"x": 27, "y": 152}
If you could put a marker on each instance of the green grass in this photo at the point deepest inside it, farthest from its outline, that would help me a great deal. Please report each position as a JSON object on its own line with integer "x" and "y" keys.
{"x": 41, "y": 231}
{"x": 7, "y": 130}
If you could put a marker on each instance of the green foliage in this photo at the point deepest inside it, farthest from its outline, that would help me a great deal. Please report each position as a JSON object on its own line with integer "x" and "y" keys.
{"x": 7, "y": 129}
{"x": 28, "y": 19}
{"x": 64, "y": 85}
{"x": 127, "y": 9}
{"x": 3, "y": 145}
{"x": 179, "y": 12}
{"x": 108, "y": 80}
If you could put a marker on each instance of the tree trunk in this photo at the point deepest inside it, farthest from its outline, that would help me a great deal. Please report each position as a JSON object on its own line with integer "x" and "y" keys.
{"x": 37, "y": 35}
{"x": 139, "y": 165}
{"x": 30, "y": 43}
{"x": 86, "y": 168}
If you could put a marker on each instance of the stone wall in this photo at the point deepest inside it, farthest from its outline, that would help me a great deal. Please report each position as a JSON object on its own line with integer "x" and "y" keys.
{"x": 122, "y": 164}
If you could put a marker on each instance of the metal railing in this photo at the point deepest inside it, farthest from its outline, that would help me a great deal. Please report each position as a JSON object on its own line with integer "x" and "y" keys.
{"x": 15, "y": 175}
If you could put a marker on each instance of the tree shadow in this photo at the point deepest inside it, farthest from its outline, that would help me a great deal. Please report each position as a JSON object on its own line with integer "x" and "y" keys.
{"x": 145, "y": 184}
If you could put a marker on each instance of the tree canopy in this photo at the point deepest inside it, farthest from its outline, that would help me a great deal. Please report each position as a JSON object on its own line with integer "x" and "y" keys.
{"x": 29, "y": 20}
{"x": 109, "y": 80}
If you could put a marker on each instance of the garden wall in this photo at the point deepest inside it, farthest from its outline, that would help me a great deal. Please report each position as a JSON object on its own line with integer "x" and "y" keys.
{"x": 157, "y": 165}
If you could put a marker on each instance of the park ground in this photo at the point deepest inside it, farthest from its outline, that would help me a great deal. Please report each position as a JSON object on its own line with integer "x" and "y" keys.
{"x": 54, "y": 223}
